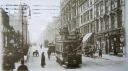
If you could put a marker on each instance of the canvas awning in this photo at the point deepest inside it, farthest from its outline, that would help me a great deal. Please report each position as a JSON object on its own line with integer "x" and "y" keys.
{"x": 86, "y": 37}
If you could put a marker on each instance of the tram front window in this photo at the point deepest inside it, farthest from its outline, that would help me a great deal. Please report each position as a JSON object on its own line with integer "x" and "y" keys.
{"x": 71, "y": 50}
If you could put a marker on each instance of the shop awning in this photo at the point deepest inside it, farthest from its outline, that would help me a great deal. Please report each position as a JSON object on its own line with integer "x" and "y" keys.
{"x": 86, "y": 37}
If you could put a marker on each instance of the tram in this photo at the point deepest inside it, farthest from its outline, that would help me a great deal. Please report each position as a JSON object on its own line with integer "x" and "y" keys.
{"x": 68, "y": 51}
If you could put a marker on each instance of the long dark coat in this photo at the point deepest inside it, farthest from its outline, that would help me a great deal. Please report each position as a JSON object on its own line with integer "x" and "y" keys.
{"x": 100, "y": 52}
{"x": 22, "y": 68}
{"x": 43, "y": 60}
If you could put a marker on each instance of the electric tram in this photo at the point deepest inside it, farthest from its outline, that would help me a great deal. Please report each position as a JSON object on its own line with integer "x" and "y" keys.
{"x": 68, "y": 50}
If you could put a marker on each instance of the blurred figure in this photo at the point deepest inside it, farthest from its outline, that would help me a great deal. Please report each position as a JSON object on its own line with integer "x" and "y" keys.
{"x": 49, "y": 54}
{"x": 43, "y": 60}
{"x": 9, "y": 62}
{"x": 22, "y": 67}
{"x": 36, "y": 53}
{"x": 100, "y": 52}
{"x": 41, "y": 46}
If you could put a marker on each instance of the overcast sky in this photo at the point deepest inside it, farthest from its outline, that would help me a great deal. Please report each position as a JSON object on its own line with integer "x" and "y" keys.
{"x": 37, "y": 22}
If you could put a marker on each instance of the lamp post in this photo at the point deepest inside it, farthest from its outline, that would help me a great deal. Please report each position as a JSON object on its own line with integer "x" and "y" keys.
{"x": 24, "y": 7}
{"x": 22, "y": 27}
{"x": 11, "y": 57}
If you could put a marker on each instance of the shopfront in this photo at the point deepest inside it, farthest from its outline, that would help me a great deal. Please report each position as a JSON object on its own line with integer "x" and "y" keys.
{"x": 111, "y": 42}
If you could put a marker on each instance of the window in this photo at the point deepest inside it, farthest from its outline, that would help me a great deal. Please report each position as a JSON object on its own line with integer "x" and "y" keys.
{"x": 113, "y": 4}
{"x": 107, "y": 23}
{"x": 87, "y": 3}
{"x": 81, "y": 19}
{"x": 90, "y": 30}
{"x": 97, "y": 10}
{"x": 82, "y": 30}
{"x": 85, "y": 6}
{"x": 106, "y": 6}
{"x": 91, "y": 14}
{"x": 90, "y": 2}
{"x": 84, "y": 17}
{"x": 102, "y": 25}
{"x": 101, "y": 7}
{"x": 85, "y": 31}
{"x": 112, "y": 21}
{"x": 93, "y": 26}
{"x": 87, "y": 15}
{"x": 74, "y": 11}
{"x": 97, "y": 24}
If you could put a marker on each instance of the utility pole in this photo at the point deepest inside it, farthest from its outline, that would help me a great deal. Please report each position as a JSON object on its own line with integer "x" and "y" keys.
{"x": 22, "y": 29}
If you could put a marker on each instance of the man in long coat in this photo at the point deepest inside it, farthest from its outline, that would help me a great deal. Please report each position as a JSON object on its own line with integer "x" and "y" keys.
{"x": 22, "y": 67}
{"x": 100, "y": 52}
{"x": 49, "y": 54}
{"x": 43, "y": 60}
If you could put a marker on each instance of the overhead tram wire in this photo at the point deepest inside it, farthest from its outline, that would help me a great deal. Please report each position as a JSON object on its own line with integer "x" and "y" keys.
{"x": 15, "y": 5}
{"x": 46, "y": 5}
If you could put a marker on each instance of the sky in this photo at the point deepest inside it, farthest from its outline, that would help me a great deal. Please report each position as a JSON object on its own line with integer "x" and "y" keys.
{"x": 38, "y": 22}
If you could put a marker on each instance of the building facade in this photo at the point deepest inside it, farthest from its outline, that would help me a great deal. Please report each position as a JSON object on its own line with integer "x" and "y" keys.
{"x": 103, "y": 18}
{"x": 69, "y": 14}
{"x": 20, "y": 24}
{"x": 11, "y": 38}
{"x": 4, "y": 22}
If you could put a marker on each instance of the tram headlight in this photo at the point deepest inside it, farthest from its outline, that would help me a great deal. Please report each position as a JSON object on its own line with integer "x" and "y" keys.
{"x": 66, "y": 62}
{"x": 74, "y": 61}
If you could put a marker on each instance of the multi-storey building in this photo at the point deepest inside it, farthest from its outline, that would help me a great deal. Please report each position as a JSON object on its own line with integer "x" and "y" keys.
{"x": 4, "y": 27}
{"x": 101, "y": 19}
{"x": 69, "y": 14}
{"x": 4, "y": 23}
{"x": 109, "y": 21}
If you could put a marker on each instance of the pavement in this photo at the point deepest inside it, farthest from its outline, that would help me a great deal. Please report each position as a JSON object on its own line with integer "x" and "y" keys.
{"x": 112, "y": 57}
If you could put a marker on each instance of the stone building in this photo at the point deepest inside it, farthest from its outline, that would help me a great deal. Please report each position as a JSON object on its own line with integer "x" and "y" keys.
{"x": 109, "y": 21}
{"x": 100, "y": 22}
{"x": 4, "y": 23}
{"x": 69, "y": 14}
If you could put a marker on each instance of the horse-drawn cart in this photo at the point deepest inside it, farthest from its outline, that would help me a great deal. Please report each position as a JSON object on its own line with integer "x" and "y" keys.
{"x": 36, "y": 53}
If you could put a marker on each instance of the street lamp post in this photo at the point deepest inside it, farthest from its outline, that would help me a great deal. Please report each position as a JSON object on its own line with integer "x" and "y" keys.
{"x": 24, "y": 7}
{"x": 22, "y": 28}
{"x": 11, "y": 59}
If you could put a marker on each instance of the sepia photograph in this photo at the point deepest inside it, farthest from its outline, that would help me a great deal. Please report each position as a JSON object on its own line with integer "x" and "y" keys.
{"x": 63, "y": 35}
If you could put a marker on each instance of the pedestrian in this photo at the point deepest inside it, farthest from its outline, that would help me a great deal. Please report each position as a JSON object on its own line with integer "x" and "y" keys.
{"x": 37, "y": 53}
{"x": 49, "y": 54}
{"x": 91, "y": 52}
{"x": 22, "y": 67}
{"x": 10, "y": 62}
{"x": 41, "y": 46}
{"x": 43, "y": 60}
{"x": 100, "y": 52}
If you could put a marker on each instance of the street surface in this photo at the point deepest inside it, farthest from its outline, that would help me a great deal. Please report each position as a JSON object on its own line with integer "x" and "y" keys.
{"x": 88, "y": 64}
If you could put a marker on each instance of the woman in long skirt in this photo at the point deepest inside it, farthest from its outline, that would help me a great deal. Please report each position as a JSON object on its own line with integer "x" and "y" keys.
{"x": 43, "y": 60}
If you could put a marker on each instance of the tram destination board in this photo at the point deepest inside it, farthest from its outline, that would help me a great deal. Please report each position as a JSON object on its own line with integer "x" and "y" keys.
{"x": 71, "y": 37}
